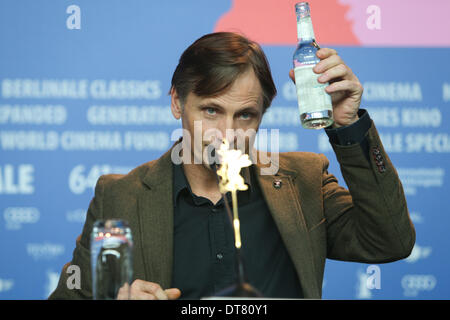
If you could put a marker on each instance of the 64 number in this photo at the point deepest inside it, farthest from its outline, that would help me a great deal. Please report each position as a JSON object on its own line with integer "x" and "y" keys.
{"x": 81, "y": 179}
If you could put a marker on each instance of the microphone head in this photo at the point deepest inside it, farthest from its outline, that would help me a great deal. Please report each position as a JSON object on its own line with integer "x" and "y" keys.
{"x": 212, "y": 158}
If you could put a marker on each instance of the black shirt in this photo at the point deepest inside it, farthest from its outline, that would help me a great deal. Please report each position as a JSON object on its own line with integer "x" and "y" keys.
{"x": 204, "y": 254}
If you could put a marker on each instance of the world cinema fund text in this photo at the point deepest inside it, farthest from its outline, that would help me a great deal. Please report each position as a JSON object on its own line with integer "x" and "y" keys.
{"x": 37, "y": 140}
{"x": 70, "y": 140}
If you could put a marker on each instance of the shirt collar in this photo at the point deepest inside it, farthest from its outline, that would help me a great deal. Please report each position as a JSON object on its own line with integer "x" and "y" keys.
{"x": 180, "y": 181}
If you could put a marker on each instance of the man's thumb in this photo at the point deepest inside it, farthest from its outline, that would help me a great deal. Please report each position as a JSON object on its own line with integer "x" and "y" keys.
{"x": 173, "y": 293}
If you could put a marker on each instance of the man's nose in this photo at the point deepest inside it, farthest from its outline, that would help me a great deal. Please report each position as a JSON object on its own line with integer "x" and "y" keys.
{"x": 227, "y": 123}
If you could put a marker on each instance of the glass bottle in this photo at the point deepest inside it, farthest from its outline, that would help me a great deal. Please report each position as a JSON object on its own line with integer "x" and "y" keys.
{"x": 111, "y": 259}
{"x": 314, "y": 102}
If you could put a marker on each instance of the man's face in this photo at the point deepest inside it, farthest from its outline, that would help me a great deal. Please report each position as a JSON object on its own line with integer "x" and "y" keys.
{"x": 239, "y": 108}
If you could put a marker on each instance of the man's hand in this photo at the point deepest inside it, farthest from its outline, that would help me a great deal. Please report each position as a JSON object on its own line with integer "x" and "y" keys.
{"x": 145, "y": 290}
{"x": 345, "y": 89}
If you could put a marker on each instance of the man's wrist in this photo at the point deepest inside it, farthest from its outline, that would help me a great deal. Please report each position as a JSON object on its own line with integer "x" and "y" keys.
{"x": 335, "y": 125}
{"x": 353, "y": 133}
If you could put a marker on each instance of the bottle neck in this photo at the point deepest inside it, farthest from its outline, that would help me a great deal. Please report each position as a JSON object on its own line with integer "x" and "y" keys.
{"x": 305, "y": 31}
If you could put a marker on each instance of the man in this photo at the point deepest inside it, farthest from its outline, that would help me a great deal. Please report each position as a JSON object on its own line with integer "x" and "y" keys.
{"x": 291, "y": 220}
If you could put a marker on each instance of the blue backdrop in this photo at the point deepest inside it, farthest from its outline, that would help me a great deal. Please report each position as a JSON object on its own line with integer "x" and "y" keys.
{"x": 84, "y": 92}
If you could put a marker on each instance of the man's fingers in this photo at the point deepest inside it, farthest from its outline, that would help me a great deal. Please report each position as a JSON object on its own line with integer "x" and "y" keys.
{"x": 134, "y": 292}
{"x": 352, "y": 86}
{"x": 323, "y": 53}
{"x": 141, "y": 289}
{"x": 173, "y": 293}
{"x": 123, "y": 293}
{"x": 339, "y": 71}
{"x": 142, "y": 296}
{"x": 154, "y": 289}
{"x": 327, "y": 63}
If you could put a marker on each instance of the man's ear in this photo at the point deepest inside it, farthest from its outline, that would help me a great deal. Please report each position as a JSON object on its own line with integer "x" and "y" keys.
{"x": 175, "y": 104}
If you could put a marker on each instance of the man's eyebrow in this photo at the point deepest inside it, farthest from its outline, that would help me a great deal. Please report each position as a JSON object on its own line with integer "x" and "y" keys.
{"x": 251, "y": 108}
{"x": 210, "y": 105}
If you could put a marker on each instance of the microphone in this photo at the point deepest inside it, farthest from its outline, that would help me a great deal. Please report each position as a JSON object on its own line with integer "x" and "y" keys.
{"x": 241, "y": 288}
{"x": 212, "y": 161}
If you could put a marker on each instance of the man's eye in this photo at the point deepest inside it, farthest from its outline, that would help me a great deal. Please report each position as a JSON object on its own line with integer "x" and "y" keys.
{"x": 245, "y": 116}
{"x": 210, "y": 111}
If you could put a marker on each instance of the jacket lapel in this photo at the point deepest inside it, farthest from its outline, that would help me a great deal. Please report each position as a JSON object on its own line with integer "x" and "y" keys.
{"x": 156, "y": 221}
{"x": 283, "y": 202}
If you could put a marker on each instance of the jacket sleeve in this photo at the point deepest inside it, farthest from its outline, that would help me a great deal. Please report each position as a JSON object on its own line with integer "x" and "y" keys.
{"x": 81, "y": 255}
{"x": 369, "y": 222}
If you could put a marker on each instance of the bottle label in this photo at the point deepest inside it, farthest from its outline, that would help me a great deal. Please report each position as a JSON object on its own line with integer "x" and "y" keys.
{"x": 311, "y": 94}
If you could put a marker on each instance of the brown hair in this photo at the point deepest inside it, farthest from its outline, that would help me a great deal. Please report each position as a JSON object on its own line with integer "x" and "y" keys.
{"x": 213, "y": 62}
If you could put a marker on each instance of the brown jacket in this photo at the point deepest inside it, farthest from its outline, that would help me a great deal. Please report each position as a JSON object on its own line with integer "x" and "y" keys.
{"x": 316, "y": 217}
